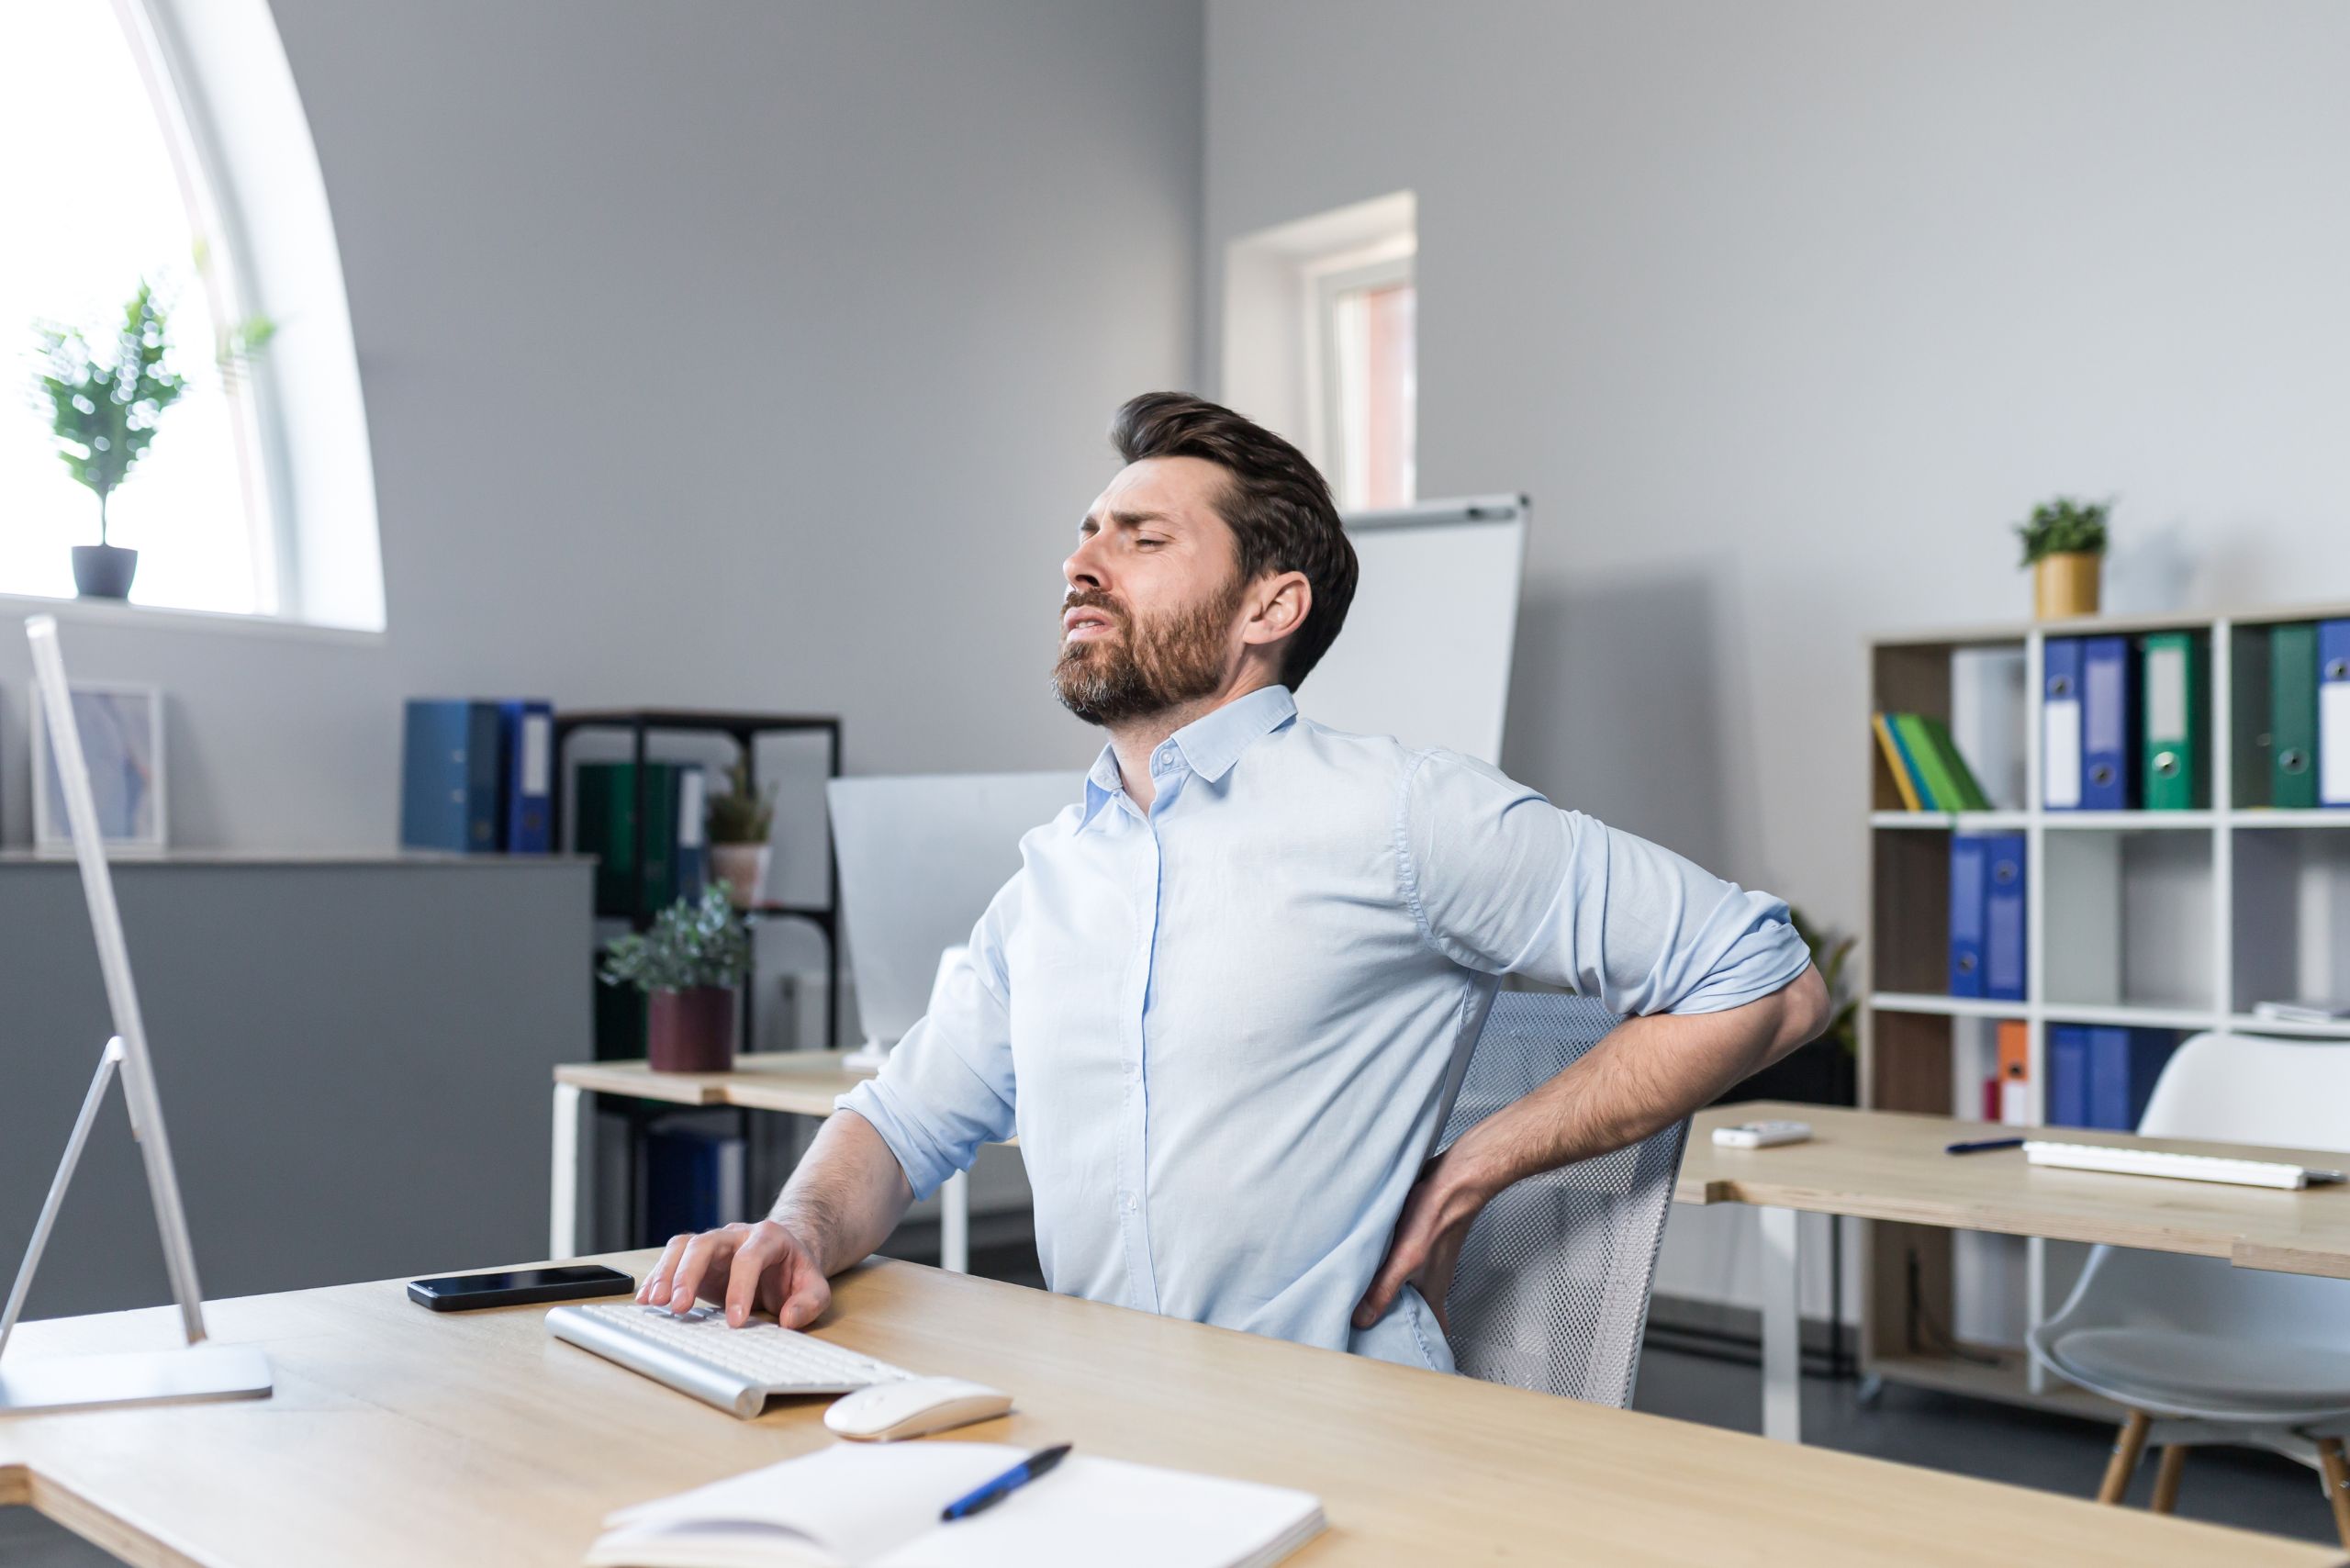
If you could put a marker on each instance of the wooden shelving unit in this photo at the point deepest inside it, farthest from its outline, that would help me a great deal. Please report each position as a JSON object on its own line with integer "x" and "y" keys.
{"x": 2211, "y": 910}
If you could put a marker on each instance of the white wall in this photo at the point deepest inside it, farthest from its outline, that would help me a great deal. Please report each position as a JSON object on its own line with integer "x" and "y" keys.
{"x": 728, "y": 354}
{"x": 1782, "y": 312}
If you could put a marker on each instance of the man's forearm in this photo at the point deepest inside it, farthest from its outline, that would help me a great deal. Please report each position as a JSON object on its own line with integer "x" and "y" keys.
{"x": 1647, "y": 1073}
{"x": 848, "y": 1194}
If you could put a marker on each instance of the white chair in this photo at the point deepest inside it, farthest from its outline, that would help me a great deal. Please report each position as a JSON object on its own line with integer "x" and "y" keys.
{"x": 1551, "y": 1290}
{"x": 2196, "y": 1350}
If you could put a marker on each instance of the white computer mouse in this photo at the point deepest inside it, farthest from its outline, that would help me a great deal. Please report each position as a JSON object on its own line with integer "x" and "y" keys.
{"x": 891, "y": 1410}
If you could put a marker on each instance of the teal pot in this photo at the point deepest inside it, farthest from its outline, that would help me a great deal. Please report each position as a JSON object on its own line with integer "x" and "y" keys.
{"x": 104, "y": 571}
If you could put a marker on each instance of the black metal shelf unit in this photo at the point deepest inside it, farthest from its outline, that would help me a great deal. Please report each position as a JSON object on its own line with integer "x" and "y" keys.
{"x": 640, "y": 725}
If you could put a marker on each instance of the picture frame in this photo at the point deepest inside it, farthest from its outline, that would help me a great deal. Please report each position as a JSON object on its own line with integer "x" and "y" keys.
{"x": 122, "y": 741}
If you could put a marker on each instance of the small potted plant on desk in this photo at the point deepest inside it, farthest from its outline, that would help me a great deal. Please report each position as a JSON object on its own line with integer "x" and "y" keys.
{"x": 688, "y": 965}
{"x": 2065, "y": 546}
{"x": 740, "y": 824}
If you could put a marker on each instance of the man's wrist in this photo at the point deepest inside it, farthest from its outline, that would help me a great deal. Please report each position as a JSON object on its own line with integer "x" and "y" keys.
{"x": 796, "y": 1225}
{"x": 1475, "y": 1169}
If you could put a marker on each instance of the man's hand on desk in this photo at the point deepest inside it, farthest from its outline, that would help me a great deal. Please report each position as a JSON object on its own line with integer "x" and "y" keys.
{"x": 762, "y": 1266}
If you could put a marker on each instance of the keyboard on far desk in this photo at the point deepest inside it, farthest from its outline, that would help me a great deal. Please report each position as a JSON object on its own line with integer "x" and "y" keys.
{"x": 738, "y": 1369}
{"x": 2130, "y": 1161}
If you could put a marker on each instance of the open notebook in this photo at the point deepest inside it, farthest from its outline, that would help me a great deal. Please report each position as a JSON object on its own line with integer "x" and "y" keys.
{"x": 876, "y": 1505}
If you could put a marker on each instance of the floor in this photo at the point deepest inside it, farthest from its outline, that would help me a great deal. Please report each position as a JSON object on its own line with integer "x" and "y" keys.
{"x": 2247, "y": 1488}
{"x": 2256, "y": 1491}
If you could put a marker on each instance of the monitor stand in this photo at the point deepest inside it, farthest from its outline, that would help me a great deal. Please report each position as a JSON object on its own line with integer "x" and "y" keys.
{"x": 867, "y": 1058}
{"x": 198, "y": 1370}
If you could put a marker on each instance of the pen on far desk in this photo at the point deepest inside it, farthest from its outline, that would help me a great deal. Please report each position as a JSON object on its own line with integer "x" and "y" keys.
{"x": 1984, "y": 1145}
{"x": 989, "y": 1494}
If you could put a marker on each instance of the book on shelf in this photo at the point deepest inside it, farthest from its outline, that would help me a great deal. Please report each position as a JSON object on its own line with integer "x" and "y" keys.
{"x": 2172, "y": 688}
{"x": 1987, "y": 915}
{"x": 2101, "y": 1076}
{"x": 2292, "y": 715}
{"x": 474, "y": 776}
{"x": 1929, "y": 772}
{"x": 2333, "y": 713}
{"x": 666, "y": 844}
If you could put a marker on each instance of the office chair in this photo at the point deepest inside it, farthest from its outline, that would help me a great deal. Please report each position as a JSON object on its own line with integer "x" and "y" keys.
{"x": 1552, "y": 1292}
{"x": 2196, "y": 1350}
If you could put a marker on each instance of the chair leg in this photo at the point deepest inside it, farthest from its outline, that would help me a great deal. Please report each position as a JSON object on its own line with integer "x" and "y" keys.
{"x": 2128, "y": 1444}
{"x": 2330, "y": 1465}
{"x": 2174, "y": 1459}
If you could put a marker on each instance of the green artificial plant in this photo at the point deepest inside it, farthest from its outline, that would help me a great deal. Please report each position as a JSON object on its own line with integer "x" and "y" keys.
{"x": 2063, "y": 527}
{"x": 691, "y": 944}
{"x": 105, "y": 399}
{"x": 744, "y": 815}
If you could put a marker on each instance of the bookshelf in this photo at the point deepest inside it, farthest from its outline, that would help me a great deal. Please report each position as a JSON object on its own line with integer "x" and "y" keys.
{"x": 2178, "y": 920}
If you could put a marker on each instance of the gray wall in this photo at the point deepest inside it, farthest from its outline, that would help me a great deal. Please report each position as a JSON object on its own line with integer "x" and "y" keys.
{"x": 1783, "y": 312}
{"x": 740, "y": 352}
{"x": 355, "y": 1064}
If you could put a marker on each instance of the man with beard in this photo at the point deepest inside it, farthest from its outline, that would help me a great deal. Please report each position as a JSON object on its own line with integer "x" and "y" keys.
{"x": 1220, "y": 1000}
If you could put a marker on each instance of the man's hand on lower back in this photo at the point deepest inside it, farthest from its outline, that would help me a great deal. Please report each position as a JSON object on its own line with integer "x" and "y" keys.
{"x": 1444, "y": 1202}
{"x": 763, "y": 1267}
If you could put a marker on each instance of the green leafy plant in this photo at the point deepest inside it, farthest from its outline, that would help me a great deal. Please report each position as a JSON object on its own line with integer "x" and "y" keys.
{"x": 2065, "y": 526}
{"x": 690, "y": 944}
{"x": 105, "y": 399}
{"x": 1830, "y": 955}
{"x": 744, "y": 815}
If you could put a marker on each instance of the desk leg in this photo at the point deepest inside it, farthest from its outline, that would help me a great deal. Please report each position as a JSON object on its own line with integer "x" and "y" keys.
{"x": 1782, "y": 1326}
{"x": 572, "y": 1109}
{"x": 955, "y": 1224}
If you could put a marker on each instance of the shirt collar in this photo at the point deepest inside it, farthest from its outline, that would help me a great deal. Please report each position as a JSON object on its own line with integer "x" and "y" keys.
{"x": 1209, "y": 746}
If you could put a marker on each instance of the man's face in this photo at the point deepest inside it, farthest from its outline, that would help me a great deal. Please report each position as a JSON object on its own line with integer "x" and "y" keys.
{"x": 1150, "y": 617}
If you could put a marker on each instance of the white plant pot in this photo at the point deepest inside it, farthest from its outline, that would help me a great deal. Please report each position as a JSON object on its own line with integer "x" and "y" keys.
{"x": 743, "y": 867}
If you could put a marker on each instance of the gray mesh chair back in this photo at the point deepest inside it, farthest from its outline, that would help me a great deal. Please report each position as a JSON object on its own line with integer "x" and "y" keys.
{"x": 1552, "y": 1288}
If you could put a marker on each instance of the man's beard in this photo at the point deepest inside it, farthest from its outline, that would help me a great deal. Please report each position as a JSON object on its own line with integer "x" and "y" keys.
{"x": 1145, "y": 666}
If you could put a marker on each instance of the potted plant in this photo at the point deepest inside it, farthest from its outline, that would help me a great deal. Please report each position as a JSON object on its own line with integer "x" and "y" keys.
{"x": 740, "y": 823}
{"x": 688, "y": 965}
{"x": 105, "y": 402}
{"x": 2063, "y": 543}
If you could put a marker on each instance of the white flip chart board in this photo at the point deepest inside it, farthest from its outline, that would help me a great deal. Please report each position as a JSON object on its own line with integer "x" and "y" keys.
{"x": 1424, "y": 654}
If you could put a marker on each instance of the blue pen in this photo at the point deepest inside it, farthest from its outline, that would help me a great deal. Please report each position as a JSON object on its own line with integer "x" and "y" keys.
{"x": 1988, "y": 1143}
{"x": 993, "y": 1491}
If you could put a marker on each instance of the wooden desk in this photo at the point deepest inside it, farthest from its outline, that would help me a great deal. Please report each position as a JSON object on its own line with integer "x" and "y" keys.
{"x": 799, "y": 1083}
{"x": 1889, "y": 1165}
{"x": 399, "y": 1436}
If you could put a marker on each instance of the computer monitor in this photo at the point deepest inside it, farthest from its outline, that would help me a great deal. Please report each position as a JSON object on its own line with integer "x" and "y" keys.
{"x": 201, "y": 1371}
{"x": 920, "y": 856}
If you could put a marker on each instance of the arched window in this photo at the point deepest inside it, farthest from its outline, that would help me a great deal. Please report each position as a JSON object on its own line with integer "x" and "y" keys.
{"x": 145, "y": 143}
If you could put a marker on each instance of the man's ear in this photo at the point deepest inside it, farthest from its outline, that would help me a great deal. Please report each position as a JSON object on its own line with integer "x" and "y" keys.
{"x": 1277, "y": 607}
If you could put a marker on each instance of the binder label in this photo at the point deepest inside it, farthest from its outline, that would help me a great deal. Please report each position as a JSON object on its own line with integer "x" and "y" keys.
{"x": 2166, "y": 693}
{"x": 537, "y": 732}
{"x": 2060, "y": 753}
{"x": 2334, "y": 742}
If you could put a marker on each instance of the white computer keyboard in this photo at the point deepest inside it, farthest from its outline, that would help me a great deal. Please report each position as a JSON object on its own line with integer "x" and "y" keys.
{"x": 735, "y": 1369}
{"x": 2186, "y": 1167}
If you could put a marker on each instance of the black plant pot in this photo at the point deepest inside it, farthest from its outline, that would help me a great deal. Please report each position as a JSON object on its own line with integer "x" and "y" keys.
{"x": 104, "y": 571}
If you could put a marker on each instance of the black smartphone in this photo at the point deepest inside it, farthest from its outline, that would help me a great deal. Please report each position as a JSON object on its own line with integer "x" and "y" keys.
{"x": 519, "y": 1287}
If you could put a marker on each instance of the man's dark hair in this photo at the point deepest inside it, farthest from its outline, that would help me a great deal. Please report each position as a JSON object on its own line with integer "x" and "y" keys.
{"x": 1276, "y": 503}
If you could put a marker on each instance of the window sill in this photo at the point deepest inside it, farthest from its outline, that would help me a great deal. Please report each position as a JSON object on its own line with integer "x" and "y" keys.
{"x": 160, "y": 618}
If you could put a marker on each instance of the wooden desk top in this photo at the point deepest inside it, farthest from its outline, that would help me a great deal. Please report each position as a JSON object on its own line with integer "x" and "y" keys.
{"x": 399, "y": 1436}
{"x": 1889, "y": 1165}
{"x": 802, "y": 1082}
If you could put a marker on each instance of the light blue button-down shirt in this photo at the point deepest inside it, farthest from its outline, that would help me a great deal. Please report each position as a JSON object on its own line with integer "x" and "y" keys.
{"x": 1226, "y": 1028}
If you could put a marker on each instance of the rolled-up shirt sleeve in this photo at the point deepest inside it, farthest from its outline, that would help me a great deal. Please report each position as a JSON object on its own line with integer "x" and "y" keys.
{"x": 948, "y": 1086}
{"x": 1503, "y": 882}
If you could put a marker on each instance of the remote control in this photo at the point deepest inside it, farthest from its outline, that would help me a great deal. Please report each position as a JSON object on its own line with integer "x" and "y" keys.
{"x": 1762, "y": 1134}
